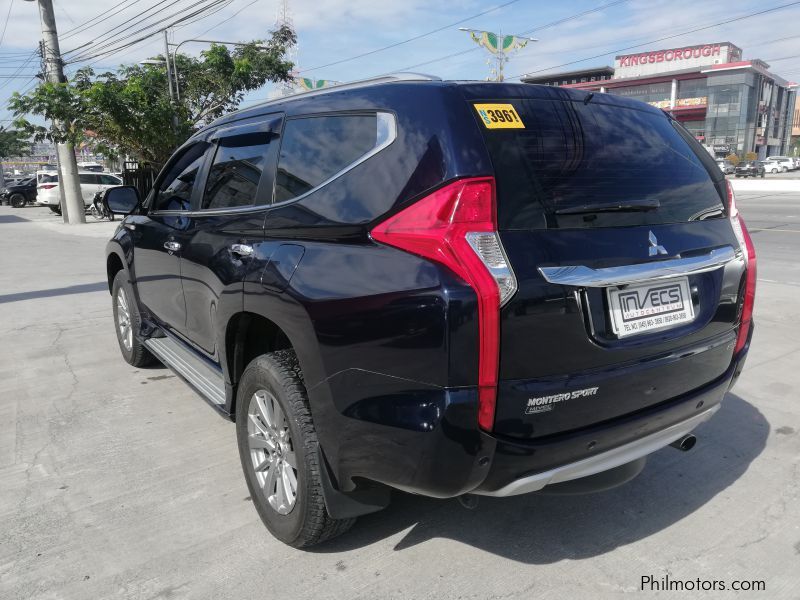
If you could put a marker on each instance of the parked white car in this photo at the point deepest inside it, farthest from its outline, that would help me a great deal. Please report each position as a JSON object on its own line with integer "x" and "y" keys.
{"x": 774, "y": 164}
{"x": 48, "y": 192}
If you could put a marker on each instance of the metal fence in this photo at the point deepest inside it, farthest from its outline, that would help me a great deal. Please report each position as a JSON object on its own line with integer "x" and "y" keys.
{"x": 141, "y": 176}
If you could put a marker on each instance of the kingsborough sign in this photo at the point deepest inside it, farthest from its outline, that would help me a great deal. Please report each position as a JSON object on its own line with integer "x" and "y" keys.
{"x": 674, "y": 59}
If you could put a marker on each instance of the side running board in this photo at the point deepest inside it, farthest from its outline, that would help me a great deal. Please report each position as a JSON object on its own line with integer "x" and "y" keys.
{"x": 205, "y": 378}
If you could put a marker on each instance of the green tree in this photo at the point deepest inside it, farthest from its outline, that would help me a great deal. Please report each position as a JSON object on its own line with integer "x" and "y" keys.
{"x": 13, "y": 143}
{"x": 131, "y": 110}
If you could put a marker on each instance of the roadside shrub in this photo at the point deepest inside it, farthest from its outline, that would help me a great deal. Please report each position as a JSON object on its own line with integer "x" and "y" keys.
{"x": 751, "y": 156}
{"x": 733, "y": 159}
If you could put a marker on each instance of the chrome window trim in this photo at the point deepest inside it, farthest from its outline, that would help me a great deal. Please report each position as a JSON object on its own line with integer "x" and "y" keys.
{"x": 385, "y": 135}
{"x": 583, "y": 276}
{"x": 210, "y": 211}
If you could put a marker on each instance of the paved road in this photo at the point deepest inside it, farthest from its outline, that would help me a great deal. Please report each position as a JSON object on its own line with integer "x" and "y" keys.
{"x": 122, "y": 483}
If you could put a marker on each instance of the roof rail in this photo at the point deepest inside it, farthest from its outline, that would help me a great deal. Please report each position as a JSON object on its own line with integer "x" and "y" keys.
{"x": 388, "y": 78}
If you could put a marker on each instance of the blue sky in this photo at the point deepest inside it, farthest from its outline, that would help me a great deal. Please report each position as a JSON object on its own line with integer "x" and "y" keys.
{"x": 334, "y": 30}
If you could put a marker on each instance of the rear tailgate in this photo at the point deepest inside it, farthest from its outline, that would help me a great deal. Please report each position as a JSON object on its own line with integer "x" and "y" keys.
{"x": 619, "y": 194}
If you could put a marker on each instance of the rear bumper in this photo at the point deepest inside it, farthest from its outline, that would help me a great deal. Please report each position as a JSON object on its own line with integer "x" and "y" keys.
{"x": 429, "y": 443}
{"x": 525, "y": 466}
{"x": 603, "y": 461}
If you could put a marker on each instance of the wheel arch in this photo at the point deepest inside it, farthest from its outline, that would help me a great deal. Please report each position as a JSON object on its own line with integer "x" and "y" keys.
{"x": 114, "y": 264}
{"x": 248, "y": 335}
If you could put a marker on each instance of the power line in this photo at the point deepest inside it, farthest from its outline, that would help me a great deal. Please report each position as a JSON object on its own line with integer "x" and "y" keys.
{"x": 21, "y": 67}
{"x": 121, "y": 28}
{"x": 528, "y": 32}
{"x": 661, "y": 39}
{"x": 213, "y": 12}
{"x": 108, "y": 47}
{"x": 5, "y": 25}
{"x": 411, "y": 39}
{"x": 88, "y": 24}
{"x": 228, "y": 19}
{"x": 101, "y": 50}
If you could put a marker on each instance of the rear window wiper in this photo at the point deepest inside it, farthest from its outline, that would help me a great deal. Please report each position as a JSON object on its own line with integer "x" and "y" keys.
{"x": 585, "y": 209}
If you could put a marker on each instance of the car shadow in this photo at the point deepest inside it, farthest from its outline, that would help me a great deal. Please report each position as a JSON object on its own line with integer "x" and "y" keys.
{"x": 82, "y": 288}
{"x": 541, "y": 528}
{"x": 12, "y": 219}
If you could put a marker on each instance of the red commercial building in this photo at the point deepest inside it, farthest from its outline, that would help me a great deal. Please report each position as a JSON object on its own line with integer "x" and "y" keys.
{"x": 730, "y": 104}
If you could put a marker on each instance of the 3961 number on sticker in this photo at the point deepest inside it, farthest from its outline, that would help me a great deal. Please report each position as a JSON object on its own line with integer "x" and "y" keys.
{"x": 499, "y": 116}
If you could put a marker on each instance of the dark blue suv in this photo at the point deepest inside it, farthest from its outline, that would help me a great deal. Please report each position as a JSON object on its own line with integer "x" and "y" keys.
{"x": 446, "y": 288}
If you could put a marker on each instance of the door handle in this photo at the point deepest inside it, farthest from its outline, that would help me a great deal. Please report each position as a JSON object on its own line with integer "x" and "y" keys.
{"x": 242, "y": 250}
{"x": 172, "y": 246}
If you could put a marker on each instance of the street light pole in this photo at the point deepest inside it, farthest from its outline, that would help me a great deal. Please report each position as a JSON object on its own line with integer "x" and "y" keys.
{"x": 499, "y": 45}
{"x": 169, "y": 68}
{"x": 72, "y": 209}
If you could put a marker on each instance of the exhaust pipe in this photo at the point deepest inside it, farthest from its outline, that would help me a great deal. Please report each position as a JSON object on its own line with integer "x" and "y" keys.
{"x": 685, "y": 443}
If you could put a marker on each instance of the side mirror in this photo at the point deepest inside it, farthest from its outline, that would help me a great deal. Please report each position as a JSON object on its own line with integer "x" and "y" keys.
{"x": 121, "y": 200}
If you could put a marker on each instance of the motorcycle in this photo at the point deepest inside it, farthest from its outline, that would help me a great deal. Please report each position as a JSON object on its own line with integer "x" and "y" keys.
{"x": 99, "y": 210}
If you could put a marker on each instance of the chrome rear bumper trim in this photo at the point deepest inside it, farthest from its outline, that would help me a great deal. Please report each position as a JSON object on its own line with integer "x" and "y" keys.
{"x": 583, "y": 276}
{"x": 604, "y": 461}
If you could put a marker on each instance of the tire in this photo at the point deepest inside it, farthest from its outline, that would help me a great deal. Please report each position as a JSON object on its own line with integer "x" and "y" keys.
{"x": 56, "y": 209}
{"x": 785, "y": 170}
{"x": 272, "y": 387}
{"x": 16, "y": 200}
{"x": 132, "y": 348}
{"x": 774, "y": 171}
{"x": 763, "y": 174}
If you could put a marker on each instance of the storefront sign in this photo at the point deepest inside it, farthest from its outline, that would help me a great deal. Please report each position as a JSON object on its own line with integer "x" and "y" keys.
{"x": 722, "y": 148}
{"x": 674, "y": 59}
{"x": 685, "y": 102}
{"x": 681, "y": 103}
{"x": 676, "y": 54}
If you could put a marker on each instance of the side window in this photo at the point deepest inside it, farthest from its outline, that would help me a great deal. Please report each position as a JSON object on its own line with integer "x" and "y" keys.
{"x": 109, "y": 180}
{"x": 175, "y": 190}
{"x": 236, "y": 170}
{"x": 87, "y": 178}
{"x": 316, "y": 148}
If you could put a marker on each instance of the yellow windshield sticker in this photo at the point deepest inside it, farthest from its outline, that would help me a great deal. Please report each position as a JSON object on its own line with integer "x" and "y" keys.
{"x": 499, "y": 116}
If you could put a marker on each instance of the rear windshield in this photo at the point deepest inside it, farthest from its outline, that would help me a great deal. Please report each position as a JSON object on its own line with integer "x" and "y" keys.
{"x": 48, "y": 177}
{"x": 579, "y": 165}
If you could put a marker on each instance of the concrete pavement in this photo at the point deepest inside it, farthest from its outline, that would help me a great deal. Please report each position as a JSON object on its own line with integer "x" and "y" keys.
{"x": 122, "y": 483}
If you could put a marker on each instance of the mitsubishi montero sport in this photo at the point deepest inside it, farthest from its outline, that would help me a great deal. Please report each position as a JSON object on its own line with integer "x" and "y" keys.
{"x": 441, "y": 287}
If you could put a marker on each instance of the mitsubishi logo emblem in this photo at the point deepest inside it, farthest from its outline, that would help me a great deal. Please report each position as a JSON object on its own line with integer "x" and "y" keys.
{"x": 655, "y": 249}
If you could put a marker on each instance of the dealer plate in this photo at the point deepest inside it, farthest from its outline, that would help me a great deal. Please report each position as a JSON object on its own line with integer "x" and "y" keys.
{"x": 650, "y": 306}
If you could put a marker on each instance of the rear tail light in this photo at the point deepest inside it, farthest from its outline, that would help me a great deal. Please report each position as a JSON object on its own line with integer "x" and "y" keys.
{"x": 456, "y": 226}
{"x": 746, "y": 244}
{"x": 47, "y": 186}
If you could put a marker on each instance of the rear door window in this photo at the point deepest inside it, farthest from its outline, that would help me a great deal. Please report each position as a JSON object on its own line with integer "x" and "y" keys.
{"x": 314, "y": 149}
{"x": 577, "y": 165}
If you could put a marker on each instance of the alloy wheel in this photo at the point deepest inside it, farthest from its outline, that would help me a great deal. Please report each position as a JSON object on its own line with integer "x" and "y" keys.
{"x": 124, "y": 320}
{"x": 272, "y": 451}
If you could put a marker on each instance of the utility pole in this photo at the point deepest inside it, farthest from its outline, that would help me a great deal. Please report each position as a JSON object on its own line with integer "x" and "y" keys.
{"x": 500, "y": 46}
{"x": 72, "y": 208}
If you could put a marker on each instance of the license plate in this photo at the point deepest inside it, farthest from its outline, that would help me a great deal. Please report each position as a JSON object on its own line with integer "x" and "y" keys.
{"x": 650, "y": 306}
